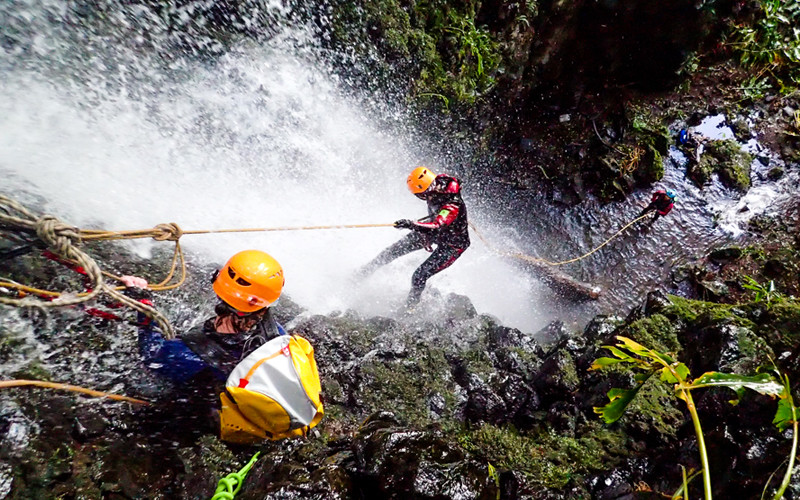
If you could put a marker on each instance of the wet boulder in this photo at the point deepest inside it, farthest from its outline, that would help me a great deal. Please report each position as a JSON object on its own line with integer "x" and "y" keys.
{"x": 725, "y": 254}
{"x": 728, "y": 160}
{"x": 557, "y": 378}
{"x": 395, "y": 462}
{"x": 520, "y": 399}
{"x": 459, "y": 308}
{"x": 728, "y": 348}
{"x": 553, "y": 333}
{"x": 601, "y": 328}
{"x": 612, "y": 485}
{"x": 513, "y": 351}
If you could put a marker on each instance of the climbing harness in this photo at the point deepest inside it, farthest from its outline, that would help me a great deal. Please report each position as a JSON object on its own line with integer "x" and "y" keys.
{"x": 539, "y": 260}
{"x": 230, "y": 485}
{"x": 68, "y": 387}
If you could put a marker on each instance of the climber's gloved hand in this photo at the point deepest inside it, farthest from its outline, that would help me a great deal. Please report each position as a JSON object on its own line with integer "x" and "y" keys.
{"x": 404, "y": 224}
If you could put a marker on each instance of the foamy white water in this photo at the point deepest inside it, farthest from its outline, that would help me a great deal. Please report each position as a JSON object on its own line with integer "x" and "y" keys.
{"x": 262, "y": 137}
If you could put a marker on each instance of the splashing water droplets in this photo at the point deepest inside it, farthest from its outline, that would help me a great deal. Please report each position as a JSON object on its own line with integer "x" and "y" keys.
{"x": 117, "y": 134}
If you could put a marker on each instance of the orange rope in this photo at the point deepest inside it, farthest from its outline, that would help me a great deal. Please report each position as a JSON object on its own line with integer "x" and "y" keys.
{"x": 73, "y": 388}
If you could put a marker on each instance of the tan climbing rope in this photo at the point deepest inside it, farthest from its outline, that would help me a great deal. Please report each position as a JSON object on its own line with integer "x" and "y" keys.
{"x": 72, "y": 388}
{"x": 63, "y": 240}
{"x": 539, "y": 260}
{"x": 172, "y": 231}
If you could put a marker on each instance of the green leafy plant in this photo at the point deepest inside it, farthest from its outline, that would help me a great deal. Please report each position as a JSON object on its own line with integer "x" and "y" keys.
{"x": 772, "y": 42}
{"x": 649, "y": 362}
{"x": 689, "y": 65}
{"x": 445, "y": 100}
{"x": 764, "y": 292}
{"x": 494, "y": 476}
{"x": 755, "y": 87}
{"x": 476, "y": 51}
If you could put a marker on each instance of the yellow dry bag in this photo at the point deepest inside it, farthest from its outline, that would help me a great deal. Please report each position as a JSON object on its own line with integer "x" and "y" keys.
{"x": 273, "y": 393}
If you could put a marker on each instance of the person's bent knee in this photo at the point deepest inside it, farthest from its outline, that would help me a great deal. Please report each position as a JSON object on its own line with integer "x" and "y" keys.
{"x": 418, "y": 279}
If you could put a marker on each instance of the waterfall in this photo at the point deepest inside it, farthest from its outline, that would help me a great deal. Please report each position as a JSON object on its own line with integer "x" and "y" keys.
{"x": 105, "y": 124}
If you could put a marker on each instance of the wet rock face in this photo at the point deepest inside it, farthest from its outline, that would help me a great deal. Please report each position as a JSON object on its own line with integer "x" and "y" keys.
{"x": 404, "y": 464}
{"x": 558, "y": 377}
{"x": 728, "y": 348}
{"x": 727, "y": 159}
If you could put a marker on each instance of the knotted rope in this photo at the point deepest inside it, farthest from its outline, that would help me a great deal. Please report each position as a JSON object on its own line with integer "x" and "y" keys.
{"x": 64, "y": 240}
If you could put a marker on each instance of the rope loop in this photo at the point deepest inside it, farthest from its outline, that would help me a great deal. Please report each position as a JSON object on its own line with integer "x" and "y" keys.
{"x": 167, "y": 232}
{"x": 230, "y": 485}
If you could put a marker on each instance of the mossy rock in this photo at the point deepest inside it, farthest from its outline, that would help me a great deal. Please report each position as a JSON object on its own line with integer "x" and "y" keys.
{"x": 654, "y": 414}
{"x": 545, "y": 458}
{"x": 657, "y": 332}
{"x": 741, "y": 129}
{"x": 33, "y": 371}
{"x": 781, "y": 325}
{"x": 653, "y": 136}
{"x": 397, "y": 385}
{"x": 726, "y": 254}
{"x": 702, "y": 313}
{"x": 651, "y": 168}
{"x": 727, "y": 159}
{"x": 775, "y": 173}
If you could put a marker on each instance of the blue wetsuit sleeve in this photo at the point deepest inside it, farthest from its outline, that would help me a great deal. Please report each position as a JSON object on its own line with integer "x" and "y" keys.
{"x": 169, "y": 358}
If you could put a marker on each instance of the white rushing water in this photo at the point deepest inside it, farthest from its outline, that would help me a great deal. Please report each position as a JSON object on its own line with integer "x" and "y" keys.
{"x": 108, "y": 135}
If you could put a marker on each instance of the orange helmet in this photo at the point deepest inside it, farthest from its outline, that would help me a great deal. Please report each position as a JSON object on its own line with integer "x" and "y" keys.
{"x": 249, "y": 281}
{"x": 420, "y": 180}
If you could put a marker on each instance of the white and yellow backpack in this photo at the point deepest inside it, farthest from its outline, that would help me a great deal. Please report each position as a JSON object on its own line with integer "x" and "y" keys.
{"x": 273, "y": 393}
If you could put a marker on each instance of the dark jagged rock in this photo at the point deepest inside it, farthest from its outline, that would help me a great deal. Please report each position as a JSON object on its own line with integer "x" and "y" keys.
{"x": 483, "y": 404}
{"x": 558, "y": 378}
{"x": 398, "y": 463}
{"x": 553, "y": 333}
{"x": 601, "y": 327}
{"x": 726, "y": 347}
{"x": 725, "y": 254}
{"x": 615, "y": 485}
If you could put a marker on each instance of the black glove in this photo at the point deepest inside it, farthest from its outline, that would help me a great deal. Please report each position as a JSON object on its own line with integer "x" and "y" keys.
{"x": 404, "y": 224}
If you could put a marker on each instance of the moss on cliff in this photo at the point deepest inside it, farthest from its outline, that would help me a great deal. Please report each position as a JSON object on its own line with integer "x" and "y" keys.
{"x": 547, "y": 459}
{"x": 398, "y": 386}
{"x": 441, "y": 50}
{"x": 656, "y": 331}
{"x": 701, "y": 312}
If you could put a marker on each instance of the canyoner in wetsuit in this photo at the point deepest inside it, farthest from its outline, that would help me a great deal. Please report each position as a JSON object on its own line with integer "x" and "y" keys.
{"x": 272, "y": 388}
{"x": 445, "y": 227}
{"x": 662, "y": 202}
{"x": 247, "y": 285}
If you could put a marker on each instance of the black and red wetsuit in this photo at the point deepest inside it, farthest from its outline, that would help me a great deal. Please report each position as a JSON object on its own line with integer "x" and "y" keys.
{"x": 660, "y": 202}
{"x": 447, "y": 215}
{"x": 445, "y": 226}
